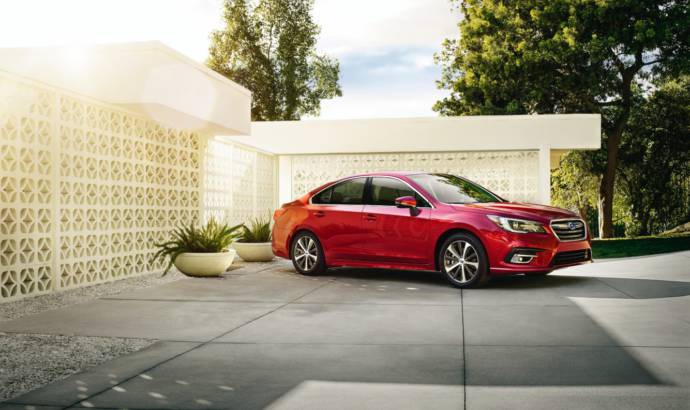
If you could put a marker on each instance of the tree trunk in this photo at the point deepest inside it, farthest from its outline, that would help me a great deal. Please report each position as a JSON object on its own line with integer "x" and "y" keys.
{"x": 644, "y": 224}
{"x": 606, "y": 201}
{"x": 608, "y": 180}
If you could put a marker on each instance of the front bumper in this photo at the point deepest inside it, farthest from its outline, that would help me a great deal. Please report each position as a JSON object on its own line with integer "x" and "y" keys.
{"x": 549, "y": 253}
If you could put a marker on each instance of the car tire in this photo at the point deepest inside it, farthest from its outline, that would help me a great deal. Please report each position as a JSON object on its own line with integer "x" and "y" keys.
{"x": 463, "y": 261}
{"x": 307, "y": 254}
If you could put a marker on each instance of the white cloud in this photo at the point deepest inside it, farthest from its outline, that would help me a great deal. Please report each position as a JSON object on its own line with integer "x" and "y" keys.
{"x": 380, "y": 105}
{"x": 356, "y": 25}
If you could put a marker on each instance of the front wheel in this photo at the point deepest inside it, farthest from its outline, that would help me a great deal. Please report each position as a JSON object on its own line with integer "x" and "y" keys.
{"x": 463, "y": 261}
{"x": 307, "y": 254}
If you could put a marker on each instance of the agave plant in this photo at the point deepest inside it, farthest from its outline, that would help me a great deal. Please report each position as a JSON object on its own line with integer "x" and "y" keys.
{"x": 212, "y": 237}
{"x": 259, "y": 230}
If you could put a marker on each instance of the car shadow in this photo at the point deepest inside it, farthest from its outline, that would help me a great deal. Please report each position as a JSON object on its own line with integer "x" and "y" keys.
{"x": 409, "y": 276}
{"x": 631, "y": 287}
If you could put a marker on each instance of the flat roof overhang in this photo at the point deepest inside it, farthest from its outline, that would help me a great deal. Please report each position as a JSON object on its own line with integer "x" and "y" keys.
{"x": 146, "y": 77}
{"x": 558, "y": 132}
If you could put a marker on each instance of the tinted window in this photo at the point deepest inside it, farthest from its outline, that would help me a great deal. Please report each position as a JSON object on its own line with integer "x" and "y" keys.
{"x": 385, "y": 190}
{"x": 348, "y": 192}
{"x": 323, "y": 197}
{"x": 453, "y": 190}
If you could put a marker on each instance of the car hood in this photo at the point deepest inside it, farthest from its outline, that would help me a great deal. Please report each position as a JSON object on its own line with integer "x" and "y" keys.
{"x": 535, "y": 212}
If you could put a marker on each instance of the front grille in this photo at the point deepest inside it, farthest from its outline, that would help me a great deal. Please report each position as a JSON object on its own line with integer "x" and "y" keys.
{"x": 568, "y": 230}
{"x": 566, "y": 258}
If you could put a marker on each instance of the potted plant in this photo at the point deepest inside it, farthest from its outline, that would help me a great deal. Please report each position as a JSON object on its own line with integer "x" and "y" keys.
{"x": 254, "y": 243}
{"x": 200, "y": 251}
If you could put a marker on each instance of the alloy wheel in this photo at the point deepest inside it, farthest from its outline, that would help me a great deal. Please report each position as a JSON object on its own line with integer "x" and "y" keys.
{"x": 306, "y": 253}
{"x": 461, "y": 261}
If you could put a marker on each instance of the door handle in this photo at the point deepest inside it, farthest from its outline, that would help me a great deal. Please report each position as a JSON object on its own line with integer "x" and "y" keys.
{"x": 319, "y": 214}
{"x": 369, "y": 217}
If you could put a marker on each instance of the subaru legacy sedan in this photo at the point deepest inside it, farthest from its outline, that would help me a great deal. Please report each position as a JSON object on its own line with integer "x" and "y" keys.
{"x": 426, "y": 221}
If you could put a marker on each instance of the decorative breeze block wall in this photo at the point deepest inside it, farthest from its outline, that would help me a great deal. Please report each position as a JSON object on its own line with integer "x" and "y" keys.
{"x": 511, "y": 174}
{"x": 86, "y": 189}
{"x": 239, "y": 183}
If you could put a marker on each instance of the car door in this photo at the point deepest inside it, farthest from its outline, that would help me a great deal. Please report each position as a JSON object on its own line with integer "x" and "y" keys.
{"x": 391, "y": 234}
{"x": 336, "y": 218}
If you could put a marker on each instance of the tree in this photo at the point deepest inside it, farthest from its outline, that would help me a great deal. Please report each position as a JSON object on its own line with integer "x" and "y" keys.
{"x": 564, "y": 56}
{"x": 573, "y": 186}
{"x": 269, "y": 47}
{"x": 655, "y": 159}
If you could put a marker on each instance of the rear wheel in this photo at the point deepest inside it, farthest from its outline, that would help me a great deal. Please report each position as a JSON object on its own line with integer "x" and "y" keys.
{"x": 307, "y": 254}
{"x": 463, "y": 261}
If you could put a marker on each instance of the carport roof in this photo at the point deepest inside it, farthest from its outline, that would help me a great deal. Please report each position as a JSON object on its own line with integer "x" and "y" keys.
{"x": 431, "y": 134}
{"x": 147, "y": 77}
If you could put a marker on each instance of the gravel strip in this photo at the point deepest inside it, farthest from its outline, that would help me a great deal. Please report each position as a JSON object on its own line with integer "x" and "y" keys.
{"x": 31, "y": 361}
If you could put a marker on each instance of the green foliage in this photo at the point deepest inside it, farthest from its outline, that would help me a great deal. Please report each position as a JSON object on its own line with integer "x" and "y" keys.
{"x": 654, "y": 190}
{"x": 269, "y": 47}
{"x": 573, "y": 185}
{"x": 650, "y": 245}
{"x": 546, "y": 56}
{"x": 564, "y": 56}
{"x": 655, "y": 159}
{"x": 259, "y": 230}
{"x": 212, "y": 237}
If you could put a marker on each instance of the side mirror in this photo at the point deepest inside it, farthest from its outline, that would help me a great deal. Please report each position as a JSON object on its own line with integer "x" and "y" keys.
{"x": 408, "y": 202}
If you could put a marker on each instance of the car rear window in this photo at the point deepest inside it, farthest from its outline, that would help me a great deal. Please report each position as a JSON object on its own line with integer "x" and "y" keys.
{"x": 350, "y": 192}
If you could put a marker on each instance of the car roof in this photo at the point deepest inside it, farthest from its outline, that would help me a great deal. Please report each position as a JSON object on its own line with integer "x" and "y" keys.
{"x": 387, "y": 173}
{"x": 366, "y": 174}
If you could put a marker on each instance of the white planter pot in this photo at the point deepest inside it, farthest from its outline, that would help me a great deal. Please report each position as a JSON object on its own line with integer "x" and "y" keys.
{"x": 254, "y": 252}
{"x": 204, "y": 264}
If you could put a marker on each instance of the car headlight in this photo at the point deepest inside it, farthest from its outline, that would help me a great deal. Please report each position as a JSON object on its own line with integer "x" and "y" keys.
{"x": 517, "y": 225}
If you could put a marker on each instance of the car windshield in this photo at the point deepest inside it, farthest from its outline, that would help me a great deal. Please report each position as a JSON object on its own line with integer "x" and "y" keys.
{"x": 450, "y": 189}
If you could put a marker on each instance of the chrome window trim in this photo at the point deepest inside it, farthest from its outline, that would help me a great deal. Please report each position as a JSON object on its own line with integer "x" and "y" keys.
{"x": 584, "y": 224}
{"x": 431, "y": 204}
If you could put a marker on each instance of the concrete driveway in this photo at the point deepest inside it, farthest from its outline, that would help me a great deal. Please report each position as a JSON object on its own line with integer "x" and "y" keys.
{"x": 614, "y": 334}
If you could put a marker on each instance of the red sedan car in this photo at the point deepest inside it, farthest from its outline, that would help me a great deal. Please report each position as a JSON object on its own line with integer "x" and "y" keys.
{"x": 426, "y": 221}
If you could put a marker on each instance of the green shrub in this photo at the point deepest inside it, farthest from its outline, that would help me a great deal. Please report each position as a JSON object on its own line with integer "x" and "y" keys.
{"x": 212, "y": 237}
{"x": 259, "y": 230}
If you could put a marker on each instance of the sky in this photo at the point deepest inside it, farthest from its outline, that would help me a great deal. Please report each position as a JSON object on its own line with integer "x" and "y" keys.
{"x": 385, "y": 47}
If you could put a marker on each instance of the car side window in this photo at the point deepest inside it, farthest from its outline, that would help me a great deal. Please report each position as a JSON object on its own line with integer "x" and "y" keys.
{"x": 350, "y": 192}
{"x": 384, "y": 191}
{"x": 323, "y": 197}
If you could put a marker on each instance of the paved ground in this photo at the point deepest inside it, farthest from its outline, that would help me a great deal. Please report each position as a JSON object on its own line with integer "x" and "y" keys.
{"x": 614, "y": 334}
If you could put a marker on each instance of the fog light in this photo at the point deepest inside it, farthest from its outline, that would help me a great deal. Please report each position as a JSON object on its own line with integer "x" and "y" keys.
{"x": 521, "y": 258}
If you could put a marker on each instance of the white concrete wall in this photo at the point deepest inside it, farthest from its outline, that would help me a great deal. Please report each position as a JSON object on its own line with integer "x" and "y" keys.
{"x": 315, "y": 151}
{"x": 240, "y": 183}
{"x": 432, "y": 134}
{"x": 511, "y": 174}
{"x": 87, "y": 188}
